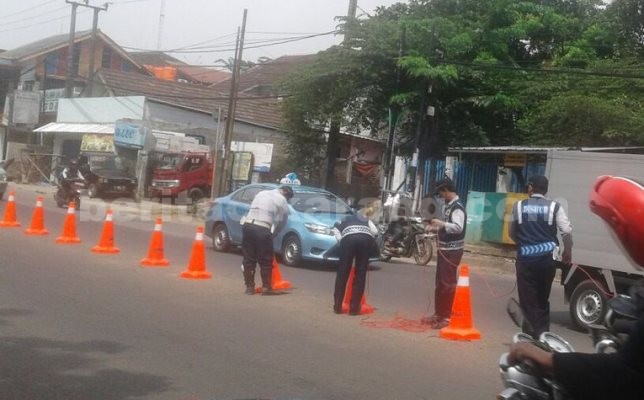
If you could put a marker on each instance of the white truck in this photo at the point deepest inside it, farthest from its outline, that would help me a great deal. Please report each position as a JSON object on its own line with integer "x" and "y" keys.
{"x": 600, "y": 269}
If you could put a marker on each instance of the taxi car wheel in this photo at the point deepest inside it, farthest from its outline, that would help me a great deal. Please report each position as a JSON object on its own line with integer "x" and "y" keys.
{"x": 292, "y": 250}
{"x": 220, "y": 238}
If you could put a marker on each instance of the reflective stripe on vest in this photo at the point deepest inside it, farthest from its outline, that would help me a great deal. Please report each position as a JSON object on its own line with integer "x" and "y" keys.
{"x": 537, "y": 249}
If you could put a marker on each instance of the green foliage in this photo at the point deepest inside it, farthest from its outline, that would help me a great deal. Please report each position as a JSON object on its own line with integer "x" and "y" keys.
{"x": 496, "y": 72}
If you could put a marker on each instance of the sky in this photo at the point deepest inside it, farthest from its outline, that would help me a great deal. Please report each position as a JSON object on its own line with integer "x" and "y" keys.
{"x": 134, "y": 24}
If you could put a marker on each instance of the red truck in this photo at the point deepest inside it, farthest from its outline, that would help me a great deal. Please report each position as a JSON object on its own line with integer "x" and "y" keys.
{"x": 177, "y": 173}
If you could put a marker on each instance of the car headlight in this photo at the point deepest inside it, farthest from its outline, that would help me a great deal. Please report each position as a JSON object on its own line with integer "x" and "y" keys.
{"x": 102, "y": 180}
{"x": 321, "y": 229}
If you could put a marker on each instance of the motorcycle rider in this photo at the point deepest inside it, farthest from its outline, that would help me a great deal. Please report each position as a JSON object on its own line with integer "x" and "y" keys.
{"x": 620, "y": 203}
{"x": 70, "y": 174}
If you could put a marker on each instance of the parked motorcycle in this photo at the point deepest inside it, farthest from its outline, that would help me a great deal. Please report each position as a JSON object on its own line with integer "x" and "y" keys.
{"x": 525, "y": 382}
{"x": 64, "y": 197}
{"x": 414, "y": 242}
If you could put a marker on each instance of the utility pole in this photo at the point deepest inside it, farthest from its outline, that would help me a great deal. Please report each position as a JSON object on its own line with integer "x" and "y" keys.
{"x": 70, "y": 49}
{"x": 161, "y": 21}
{"x": 232, "y": 104}
{"x": 92, "y": 51}
{"x": 335, "y": 126}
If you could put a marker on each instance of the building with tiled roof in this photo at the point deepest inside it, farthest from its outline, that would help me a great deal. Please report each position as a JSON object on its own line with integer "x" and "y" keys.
{"x": 184, "y": 72}
{"x": 264, "y": 112}
{"x": 262, "y": 79}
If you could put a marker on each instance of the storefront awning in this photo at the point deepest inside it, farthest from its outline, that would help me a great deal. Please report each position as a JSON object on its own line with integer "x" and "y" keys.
{"x": 61, "y": 127}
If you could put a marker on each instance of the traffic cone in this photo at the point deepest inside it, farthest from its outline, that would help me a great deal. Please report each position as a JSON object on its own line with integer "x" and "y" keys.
{"x": 69, "y": 228}
{"x": 38, "y": 220}
{"x": 276, "y": 279}
{"x": 197, "y": 265}
{"x": 364, "y": 307}
{"x": 460, "y": 324}
{"x": 10, "y": 220}
{"x": 155, "y": 253}
{"x": 106, "y": 243}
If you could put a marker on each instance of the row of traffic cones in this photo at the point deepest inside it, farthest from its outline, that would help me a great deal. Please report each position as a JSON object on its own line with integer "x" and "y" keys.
{"x": 196, "y": 268}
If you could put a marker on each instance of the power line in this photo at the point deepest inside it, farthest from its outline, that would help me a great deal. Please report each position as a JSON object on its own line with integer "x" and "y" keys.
{"x": 27, "y": 9}
{"x": 40, "y": 23}
{"x": 47, "y": 13}
{"x": 206, "y": 41}
{"x": 259, "y": 43}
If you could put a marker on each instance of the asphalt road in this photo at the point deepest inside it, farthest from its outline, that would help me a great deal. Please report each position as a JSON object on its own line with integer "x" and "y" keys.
{"x": 75, "y": 325}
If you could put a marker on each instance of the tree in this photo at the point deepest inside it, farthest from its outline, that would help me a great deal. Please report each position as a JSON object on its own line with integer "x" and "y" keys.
{"x": 496, "y": 72}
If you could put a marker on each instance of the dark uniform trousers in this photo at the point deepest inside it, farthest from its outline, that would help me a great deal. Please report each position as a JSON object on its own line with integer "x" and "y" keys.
{"x": 534, "y": 281}
{"x": 257, "y": 248}
{"x": 446, "y": 279}
{"x": 356, "y": 246}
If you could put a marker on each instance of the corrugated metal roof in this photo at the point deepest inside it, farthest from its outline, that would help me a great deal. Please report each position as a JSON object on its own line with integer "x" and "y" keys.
{"x": 505, "y": 149}
{"x": 60, "y": 127}
{"x": 534, "y": 150}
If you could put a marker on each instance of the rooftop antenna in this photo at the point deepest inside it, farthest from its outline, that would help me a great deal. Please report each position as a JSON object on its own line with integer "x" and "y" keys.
{"x": 161, "y": 18}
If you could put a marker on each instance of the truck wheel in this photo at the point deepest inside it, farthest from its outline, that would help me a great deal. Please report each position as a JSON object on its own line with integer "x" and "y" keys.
{"x": 196, "y": 194}
{"x": 220, "y": 238}
{"x": 587, "y": 304}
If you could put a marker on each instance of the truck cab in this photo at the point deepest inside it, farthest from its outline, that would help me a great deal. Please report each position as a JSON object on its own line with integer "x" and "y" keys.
{"x": 177, "y": 173}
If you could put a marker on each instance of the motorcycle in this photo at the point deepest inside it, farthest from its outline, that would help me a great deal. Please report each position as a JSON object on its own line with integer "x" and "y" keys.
{"x": 64, "y": 197}
{"x": 414, "y": 243}
{"x": 524, "y": 381}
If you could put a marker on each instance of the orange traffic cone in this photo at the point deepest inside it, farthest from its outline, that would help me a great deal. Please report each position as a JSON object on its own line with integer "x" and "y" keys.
{"x": 460, "y": 325}
{"x": 38, "y": 220}
{"x": 10, "y": 220}
{"x": 276, "y": 279}
{"x": 364, "y": 307}
{"x": 69, "y": 228}
{"x": 155, "y": 253}
{"x": 197, "y": 265}
{"x": 106, "y": 243}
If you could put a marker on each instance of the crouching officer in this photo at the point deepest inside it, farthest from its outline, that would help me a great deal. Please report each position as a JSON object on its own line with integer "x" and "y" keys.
{"x": 267, "y": 216}
{"x": 356, "y": 234}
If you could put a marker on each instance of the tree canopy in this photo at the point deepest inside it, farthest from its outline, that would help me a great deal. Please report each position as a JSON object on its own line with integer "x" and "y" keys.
{"x": 496, "y": 72}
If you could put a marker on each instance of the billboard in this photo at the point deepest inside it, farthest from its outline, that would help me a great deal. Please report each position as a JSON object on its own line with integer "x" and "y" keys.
{"x": 130, "y": 134}
{"x": 97, "y": 143}
{"x": 262, "y": 154}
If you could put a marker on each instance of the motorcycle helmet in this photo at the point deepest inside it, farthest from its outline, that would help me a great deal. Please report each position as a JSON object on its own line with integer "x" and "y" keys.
{"x": 619, "y": 202}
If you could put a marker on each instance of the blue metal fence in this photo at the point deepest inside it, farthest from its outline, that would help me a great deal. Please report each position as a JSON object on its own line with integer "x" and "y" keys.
{"x": 468, "y": 175}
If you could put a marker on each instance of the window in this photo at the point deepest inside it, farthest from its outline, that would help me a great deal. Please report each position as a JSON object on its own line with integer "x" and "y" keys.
{"x": 106, "y": 59}
{"x": 247, "y": 195}
{"x": 126, "y": 66}
{"x": 51, "y": 63}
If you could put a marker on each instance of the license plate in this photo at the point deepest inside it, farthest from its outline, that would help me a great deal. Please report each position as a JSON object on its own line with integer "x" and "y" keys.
{"x": 119, "y": 188}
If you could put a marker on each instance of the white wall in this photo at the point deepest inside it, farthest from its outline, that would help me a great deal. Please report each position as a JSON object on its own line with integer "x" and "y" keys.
{"x": 100, "y": 109}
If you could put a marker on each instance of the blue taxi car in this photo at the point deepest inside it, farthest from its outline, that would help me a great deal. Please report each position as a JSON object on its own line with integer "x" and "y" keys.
{"x": 307, "y": 236}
